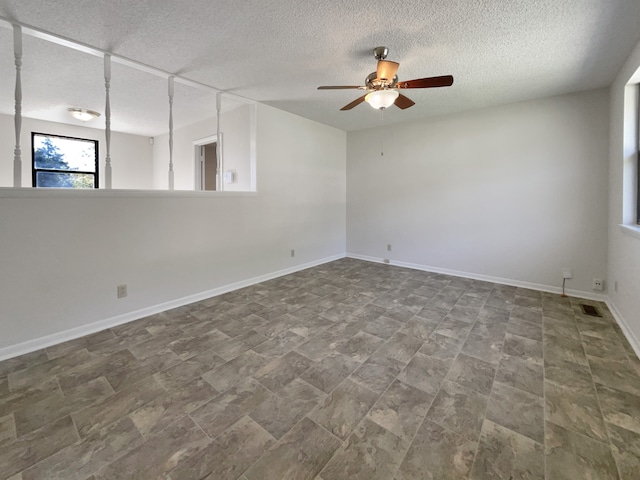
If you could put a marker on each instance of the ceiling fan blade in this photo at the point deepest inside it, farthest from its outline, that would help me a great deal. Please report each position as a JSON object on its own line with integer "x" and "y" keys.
{"x": 387, "y": 70}
{"x": 431, "y": 82}
{"x": 338, "y": 87}
{"x": 355, "y": 103}
{"x": 404, "y": 102}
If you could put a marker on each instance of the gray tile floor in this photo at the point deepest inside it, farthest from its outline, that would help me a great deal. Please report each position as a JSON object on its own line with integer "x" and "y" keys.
{"x": 350, "y": 370}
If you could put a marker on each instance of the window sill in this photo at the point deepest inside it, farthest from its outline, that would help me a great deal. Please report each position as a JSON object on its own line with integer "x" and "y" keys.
{"x": 30, "y": 192}
{"x": 632, "y": 230}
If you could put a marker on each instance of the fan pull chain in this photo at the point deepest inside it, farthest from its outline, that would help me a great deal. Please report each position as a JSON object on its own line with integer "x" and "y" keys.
{"x": 382, "y": 136}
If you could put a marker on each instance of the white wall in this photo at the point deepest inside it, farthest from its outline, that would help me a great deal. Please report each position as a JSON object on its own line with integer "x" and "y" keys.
{"x": 624, "y": 249}
{"x": 515, "y": 192}
{"x": 64, "y": 253}
{"x": 235, "y": 129}
{"x": 131, "y": 155}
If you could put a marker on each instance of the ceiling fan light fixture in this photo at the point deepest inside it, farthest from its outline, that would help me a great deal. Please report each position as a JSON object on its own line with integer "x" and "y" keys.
{"x": 382, "y": 85}
{"x": 83, "y": 114}
{"x": 381, "y": 98}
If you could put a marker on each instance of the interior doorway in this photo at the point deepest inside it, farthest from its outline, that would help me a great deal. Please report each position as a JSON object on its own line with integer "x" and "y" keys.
{"x": 207, "y": 164}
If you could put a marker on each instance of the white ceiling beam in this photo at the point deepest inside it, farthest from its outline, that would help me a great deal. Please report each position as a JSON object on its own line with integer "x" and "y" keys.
{"x": 115, "y": 58}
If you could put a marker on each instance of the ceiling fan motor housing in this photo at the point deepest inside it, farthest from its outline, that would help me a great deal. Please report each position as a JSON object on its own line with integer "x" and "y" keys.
{"x": 373, "y": 83}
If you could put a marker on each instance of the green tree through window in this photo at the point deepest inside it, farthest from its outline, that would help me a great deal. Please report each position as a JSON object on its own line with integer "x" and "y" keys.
{"x": 64, "y": 162}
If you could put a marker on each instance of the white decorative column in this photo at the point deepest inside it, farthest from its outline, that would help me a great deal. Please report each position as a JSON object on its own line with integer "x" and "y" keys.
{"x": 170, "y": 133}
{"x": 17, "y": 154}
{"x": 107, "y": 119}
{"x": 220, "y": 183}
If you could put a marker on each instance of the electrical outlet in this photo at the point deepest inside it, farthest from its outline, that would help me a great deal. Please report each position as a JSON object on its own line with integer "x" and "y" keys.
{"x": 566, "y": 273}
{"x": 598, "y": 284}
{"x": 386, "y": 260}
{"x": 293, "y": 253}
{"x": 388, "y": 247}
{"x": 122, "y": 291}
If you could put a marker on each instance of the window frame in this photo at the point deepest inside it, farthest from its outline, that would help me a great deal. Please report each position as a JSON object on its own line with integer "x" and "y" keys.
{"x": 638, "y": 157}
{"x": 35, "y": 170}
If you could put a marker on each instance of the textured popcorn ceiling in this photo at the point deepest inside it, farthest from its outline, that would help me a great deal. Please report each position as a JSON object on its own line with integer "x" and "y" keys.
{"x": 278, "y": 52}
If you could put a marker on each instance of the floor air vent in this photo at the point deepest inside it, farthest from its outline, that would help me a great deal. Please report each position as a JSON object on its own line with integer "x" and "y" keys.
{"x": 590, "y": 310}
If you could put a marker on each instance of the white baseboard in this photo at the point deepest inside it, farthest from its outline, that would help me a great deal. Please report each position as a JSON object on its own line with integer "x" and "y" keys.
{"x": 77, "y": 332}
{"x": 624, "y": 326}
{"x": 485, "y": 278}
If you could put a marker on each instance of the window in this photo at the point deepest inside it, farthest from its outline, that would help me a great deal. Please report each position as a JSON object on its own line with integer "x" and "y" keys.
{"x": 64, "y": 162}
{"x": 630, "y": 160}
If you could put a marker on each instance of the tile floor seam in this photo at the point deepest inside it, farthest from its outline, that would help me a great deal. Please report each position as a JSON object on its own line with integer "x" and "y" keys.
{"x": 373, "y": 404}
{"x": 425, "y": 419}
{"x": 264, "y": 452}
{"x": 544, "y": 399}
{"x": 79, "y": 439}
{"x": 321, "y": 426}
{"x": 378, "y": 398}
{"x": 484, "y": 419}
{"x": 401, "y": 460}
{"x": 604, "y": 421}
{"x": 520, "y": 391}
{"x": 415, "y": 434}
{"x": 296, "y": 378}
{"x": 198, "y": 425}
{"x": 55, "y": 377}
{"x": 609, "y": 444}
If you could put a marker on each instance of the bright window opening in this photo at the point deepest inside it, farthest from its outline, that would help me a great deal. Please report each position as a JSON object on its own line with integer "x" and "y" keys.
{"x": 64, "y": 162}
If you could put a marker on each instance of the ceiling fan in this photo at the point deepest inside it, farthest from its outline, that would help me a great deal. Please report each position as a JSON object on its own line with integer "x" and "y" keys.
{"x": 382, "y": 85}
